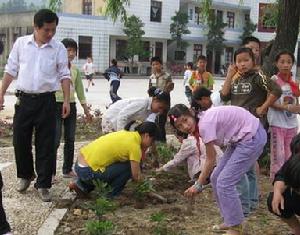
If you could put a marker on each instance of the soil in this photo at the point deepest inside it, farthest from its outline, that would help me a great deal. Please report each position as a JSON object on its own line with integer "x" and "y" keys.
{"x": 183, "y": 216}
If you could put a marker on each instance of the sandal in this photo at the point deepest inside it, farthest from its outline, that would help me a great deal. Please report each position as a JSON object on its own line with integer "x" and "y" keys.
{"x": 220, "y": 228}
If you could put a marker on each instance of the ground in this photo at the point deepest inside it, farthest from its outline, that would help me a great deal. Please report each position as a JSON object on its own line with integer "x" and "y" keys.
{"x": 26, "y": 212}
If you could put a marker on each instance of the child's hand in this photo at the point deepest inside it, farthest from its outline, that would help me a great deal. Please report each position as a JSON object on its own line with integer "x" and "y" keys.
{"x": 232, "y": 70}
{"x": 160, "y": 169}
{"x": 277, "y": 203}
{"x": 260, "y": 111}
{"x": 293, "y": 108}
{"x": 191, "y": 192}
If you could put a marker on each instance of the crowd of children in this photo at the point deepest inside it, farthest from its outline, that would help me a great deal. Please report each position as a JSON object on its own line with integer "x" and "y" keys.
{"x": 220, "y": 143}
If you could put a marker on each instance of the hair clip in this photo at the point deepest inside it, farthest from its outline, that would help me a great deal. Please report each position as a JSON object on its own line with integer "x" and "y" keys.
{"x": 173, "y": 118}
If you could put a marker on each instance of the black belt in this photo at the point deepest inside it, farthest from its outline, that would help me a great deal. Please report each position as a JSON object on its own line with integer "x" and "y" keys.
{"x": 33, "y": 95}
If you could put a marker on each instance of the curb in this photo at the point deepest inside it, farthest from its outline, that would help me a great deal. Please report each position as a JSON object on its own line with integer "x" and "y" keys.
{"x": 53, "y": 220}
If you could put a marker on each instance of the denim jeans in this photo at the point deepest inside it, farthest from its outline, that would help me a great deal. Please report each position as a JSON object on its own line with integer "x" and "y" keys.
{"x": 116, "y": 175}
{"x": 248, "y": 191}
{"x": 113, "y": 92}
{"x": 69, "y": 125}
{"x": 188, "y": 94}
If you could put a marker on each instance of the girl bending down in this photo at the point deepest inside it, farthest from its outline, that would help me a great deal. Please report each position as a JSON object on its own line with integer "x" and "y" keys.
{"x": 243, "y": 135}
{"x": 115, "y": 165}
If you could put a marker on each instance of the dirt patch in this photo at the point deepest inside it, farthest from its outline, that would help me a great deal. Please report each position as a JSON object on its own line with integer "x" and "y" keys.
{"x": 182, "y": 216}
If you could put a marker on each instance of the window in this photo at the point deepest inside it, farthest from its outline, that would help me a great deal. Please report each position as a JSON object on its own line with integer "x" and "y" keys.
{"x": 85, "y": 47}
{"x": 228, "y": 55}
{"x": 159, "y": 49}
{"x": 220, "y": 16}
{"x": 197, "y": 15}
{"x": 247, "y": 17}
{"x": 145, "y": 57}
{"x": 197, "y": 51}
{"x": 266, "y": 21}
{"x": 29, "y": 30}
{"x": 191, "y": 13}
{"x": 3, "y": 38}
{"x": 155, "y": 11}
{"x": 121, "y": 50}
{"x": 179, "y": 55}
{"x": 87, "y": 7}
{"x": 230, "y": 19}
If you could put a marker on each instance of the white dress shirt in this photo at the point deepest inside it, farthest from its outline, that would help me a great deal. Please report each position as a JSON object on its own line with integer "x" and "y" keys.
{"x": 124, "y": 111}
{"x": 38, "y": 69}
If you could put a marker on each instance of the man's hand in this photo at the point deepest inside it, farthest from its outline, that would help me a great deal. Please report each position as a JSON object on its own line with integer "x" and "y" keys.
{"x": 277, "y": 203}
{"x": 65, "y": 109}
{"x": 1, "y": 102}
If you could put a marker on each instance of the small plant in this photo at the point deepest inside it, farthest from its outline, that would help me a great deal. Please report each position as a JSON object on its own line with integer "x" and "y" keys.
{"x": 100, "y": 227}
{"x": 158, "y": 217}
{"x": 165, "y": 152}
{"x": 102, "y": 189}
{"x": 161, "y": 227}
{"x": 142, "y": 189}
{"x": 101, "y": 206}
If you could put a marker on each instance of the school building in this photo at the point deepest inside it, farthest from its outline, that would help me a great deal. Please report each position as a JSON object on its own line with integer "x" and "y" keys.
{"x": 98, "y": 36}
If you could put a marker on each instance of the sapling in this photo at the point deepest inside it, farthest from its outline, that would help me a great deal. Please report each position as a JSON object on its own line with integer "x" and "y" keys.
{"x": 100, "y": 227}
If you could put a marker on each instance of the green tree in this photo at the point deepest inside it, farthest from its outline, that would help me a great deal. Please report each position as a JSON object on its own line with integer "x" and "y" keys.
{"x": 133, "y": 28}
{"x": 55, "y": 5}
{"x": 248, "y": 29}
{"x": 286, "y": 32}
{"x": 178, "y": 28}
{"x": 215, "y": 36}
{"x": 116, "y": 8}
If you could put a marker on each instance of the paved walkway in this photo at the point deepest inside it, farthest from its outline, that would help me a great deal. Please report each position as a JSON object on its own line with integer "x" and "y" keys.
{"x": 26, "y": 212}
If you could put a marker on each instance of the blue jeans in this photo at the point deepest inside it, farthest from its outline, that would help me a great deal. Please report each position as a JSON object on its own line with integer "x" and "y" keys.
{"x": 248, "y": 191}
{"x": 116, "y": 175}
{"x": 113, "y": 92}
{"x": 69, "y": 124}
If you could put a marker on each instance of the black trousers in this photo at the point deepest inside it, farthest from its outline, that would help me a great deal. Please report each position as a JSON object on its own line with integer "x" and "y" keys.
{"x": 4, "y": 226}
{"x": 291, "y": 204}
{"x": 161, "y": 121}
{"x": 69, "y": 125}
{"x": 35, "y": 113}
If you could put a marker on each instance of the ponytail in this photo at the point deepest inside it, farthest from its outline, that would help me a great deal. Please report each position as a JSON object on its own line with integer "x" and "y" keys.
{"x": 176, "y": 111}
{"x": 143, "y": 128}
{"x": 159, "y": 95}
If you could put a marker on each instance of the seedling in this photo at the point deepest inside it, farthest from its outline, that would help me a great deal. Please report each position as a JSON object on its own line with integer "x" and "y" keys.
{"x": 161, "y": 227}
{"x": 165, "y": 152}
{"x": 101, "y": 206}
{"x": 100, "y": 227}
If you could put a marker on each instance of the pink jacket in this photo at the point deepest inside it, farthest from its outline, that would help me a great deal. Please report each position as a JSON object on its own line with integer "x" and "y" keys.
{"x": 189, "y": 152}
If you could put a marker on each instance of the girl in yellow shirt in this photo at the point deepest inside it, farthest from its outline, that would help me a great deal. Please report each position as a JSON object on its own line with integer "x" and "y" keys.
{"x": 113, "y": 158}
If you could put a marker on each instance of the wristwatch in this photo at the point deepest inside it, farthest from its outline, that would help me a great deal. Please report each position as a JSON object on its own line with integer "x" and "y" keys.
{"x": 198, "y": 186}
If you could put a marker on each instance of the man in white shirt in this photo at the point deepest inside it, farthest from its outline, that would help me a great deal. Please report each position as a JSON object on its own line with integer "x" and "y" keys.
{"x": 40, "y": 65}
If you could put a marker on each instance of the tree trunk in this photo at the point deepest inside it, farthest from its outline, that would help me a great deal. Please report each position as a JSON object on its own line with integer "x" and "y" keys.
{"x": 286, "y": 33}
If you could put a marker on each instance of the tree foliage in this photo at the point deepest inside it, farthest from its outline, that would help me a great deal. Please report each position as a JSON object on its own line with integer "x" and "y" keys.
{"x": 215, "y": 35}
{"x": 116, "y": 8}
{"x": 133, "y": 28}
{"x": 55, "y": 5}
{"x": 286, "y": 33}
{"x": 179, "y": 27}
{"x": 248, "y": 29}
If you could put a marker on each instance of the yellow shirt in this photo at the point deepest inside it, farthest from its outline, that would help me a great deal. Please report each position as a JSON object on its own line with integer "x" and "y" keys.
{"x": 115, "y": 147}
